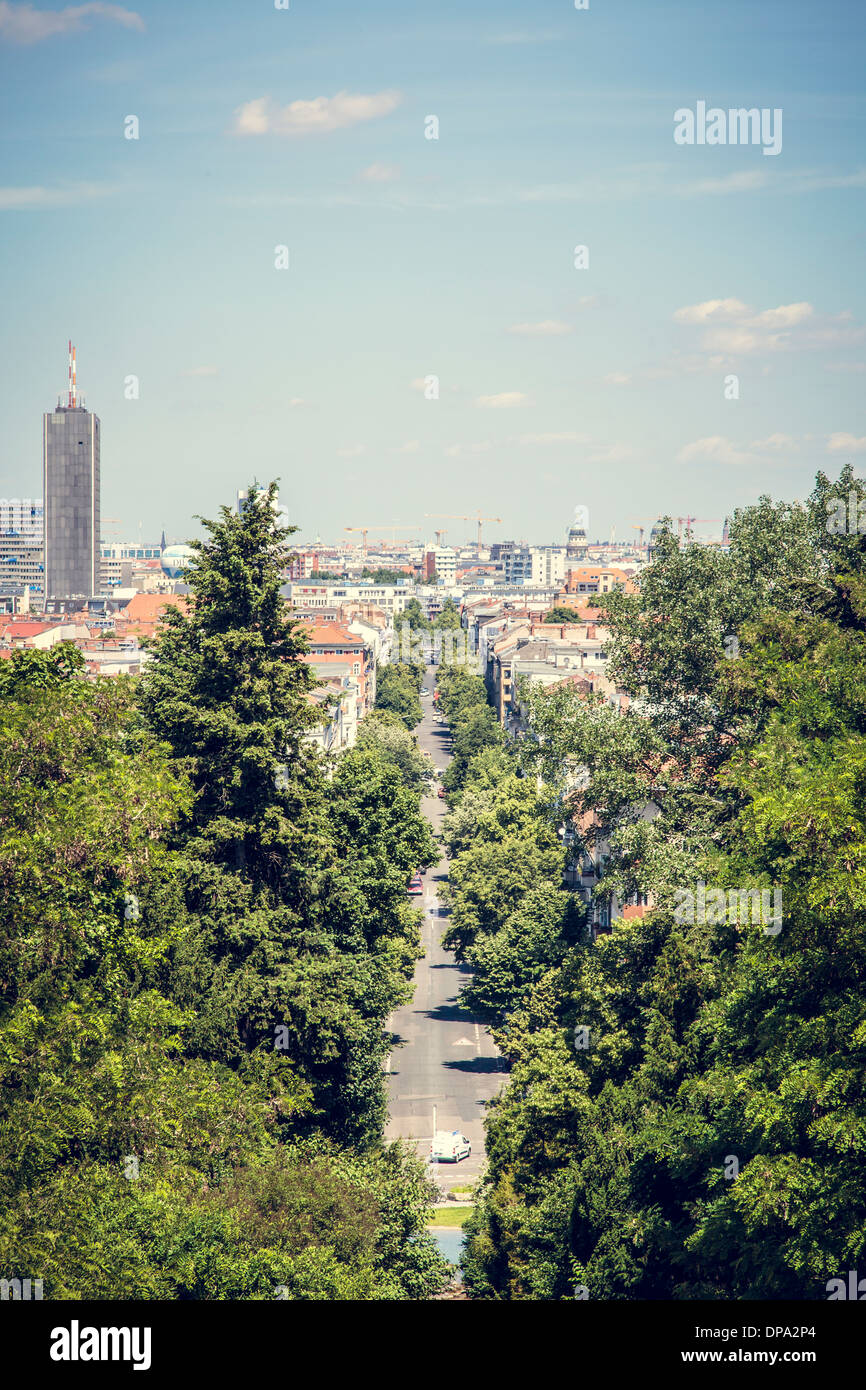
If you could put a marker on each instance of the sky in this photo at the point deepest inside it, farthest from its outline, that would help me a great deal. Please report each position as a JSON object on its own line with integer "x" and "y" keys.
{"x": 600, "y": 380}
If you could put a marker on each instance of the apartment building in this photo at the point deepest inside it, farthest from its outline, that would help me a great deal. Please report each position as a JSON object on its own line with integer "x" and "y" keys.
{"x": 336, "y": 652}
{"x": 391, "y": 598}
{"x": 598, "y": 579}
{"x": 21, "y": 546}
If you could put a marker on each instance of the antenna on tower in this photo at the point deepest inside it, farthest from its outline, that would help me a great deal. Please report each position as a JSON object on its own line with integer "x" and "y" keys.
{"x": 72, "y": 398}
{"x": 69, "y": 377}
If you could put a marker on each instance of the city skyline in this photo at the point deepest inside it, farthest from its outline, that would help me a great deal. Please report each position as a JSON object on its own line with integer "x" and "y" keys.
{"x": 411, "y": 258}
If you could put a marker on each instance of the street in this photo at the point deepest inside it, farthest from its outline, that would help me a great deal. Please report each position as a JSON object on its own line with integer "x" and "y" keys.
{"x": 442, "y": 1056}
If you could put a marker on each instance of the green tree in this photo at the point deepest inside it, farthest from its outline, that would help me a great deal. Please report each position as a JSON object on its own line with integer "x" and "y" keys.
{"x": 448, "y": 617}
{"x": 397, "y": 686}
{"x": 386, "y": 733}
{"x": 561, "y": 613}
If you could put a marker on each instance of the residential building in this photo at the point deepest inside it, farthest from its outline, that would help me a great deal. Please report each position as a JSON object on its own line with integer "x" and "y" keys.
{"x": 335, "y": 651}
{"x": 445, "y": 564}
{"x": 548, "y": 564}
{"x": 392, "y": 598}
{"x": 22, "y": 522}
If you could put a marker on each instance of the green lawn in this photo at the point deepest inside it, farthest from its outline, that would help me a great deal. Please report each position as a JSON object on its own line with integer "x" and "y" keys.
{"x": 451, "y": 1216}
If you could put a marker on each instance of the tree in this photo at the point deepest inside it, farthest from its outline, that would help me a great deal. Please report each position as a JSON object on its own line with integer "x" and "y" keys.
{"x": 133, "y": 1164}
{"x": 561, "y": 613}
{"x": 282, "y": 954}
{"x": 413, "y": 617}
{"x": 383, "y": 576}
{"x": 397, "y": 686}
{"x": 385, "y": 733}
{"x": 448, "y": 617}
{"x": 686, "y": 1093}
{"x": 476, "y": 730}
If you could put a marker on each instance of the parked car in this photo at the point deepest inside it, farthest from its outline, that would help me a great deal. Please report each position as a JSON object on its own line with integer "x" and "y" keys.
{"x": 449, "y": 1148}
{"x": 416, "y": 885}
{"x": 441, "y": 792}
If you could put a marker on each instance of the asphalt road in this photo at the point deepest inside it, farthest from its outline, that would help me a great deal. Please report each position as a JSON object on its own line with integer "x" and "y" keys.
{"x": 442, "y": 1055}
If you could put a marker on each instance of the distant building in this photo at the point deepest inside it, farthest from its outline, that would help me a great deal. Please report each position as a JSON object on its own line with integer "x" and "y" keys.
{"x": 445, "y": 564}
{"x": 22, "y": 520}
{"x": 121, "y": 560}
{"x": 517, "y": 565}
{"x": 548, "y": 564}
{"x": 576, "y": 545}
{"x": 70, "y": 462}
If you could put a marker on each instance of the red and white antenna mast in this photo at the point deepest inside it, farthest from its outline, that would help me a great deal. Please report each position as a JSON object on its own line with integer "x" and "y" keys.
{"x": 71, "y": 375}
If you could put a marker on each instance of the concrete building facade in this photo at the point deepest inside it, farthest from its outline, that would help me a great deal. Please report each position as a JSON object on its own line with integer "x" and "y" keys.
{"x": 70, "y": 462}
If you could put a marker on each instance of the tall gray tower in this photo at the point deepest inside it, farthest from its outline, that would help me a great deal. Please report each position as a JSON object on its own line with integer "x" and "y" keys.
{"x": 70, "y": 464}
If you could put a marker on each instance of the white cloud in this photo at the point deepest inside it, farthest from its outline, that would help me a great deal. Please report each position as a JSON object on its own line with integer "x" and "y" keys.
{"x": 410, "y": 447}
{"x": 380, "y": 173}
{"x": 504, "y": 401}
{"x": 201, "y": 371}
{"x": 715, "y": 449}
{"x": 25, "y": 199}
{"x": 736, "y": 329}
{"x": 352, "y": 451}
{"x": 712, "y": 311}
{"x": 547, "y": 328}
{"x": 842, "y": 443}
{"x": 263, "y": 116}
{"x": 296, "y": 402}
{"x": 25, "y": 24}
{"x": 774, "y": 442}
{"x": 617, "y": 379}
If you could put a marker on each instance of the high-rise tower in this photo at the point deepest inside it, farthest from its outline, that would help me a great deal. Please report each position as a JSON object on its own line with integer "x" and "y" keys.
{"x": 70, "y": 464}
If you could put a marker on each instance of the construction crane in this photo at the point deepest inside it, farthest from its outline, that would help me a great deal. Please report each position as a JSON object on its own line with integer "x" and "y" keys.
{"x": 641, "y": 529}
{"x": 689, "y": 519}
{"x": 440, "y": 536}
{"x": 384, "y": 526}
{"x": 459, "y": 516}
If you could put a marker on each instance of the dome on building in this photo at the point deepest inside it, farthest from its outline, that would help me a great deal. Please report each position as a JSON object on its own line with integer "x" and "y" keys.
{"x": 576, "y": 543}
{"x": 174, "y": 560}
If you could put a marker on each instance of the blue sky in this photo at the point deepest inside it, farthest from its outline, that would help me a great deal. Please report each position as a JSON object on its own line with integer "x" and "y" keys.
{"x": 409, "y": 257}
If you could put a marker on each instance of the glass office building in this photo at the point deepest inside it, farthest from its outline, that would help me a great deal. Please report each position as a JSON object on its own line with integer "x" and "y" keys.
{"x": 70, "y": 456}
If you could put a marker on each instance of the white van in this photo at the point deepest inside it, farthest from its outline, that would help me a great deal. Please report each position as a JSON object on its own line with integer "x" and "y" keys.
{"x": 449, "y": 1148}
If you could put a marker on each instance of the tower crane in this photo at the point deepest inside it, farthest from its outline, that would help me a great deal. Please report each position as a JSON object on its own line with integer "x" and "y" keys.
{"x": 689, "y": 519}
{"x": 461, "y": 516}
{"x": 382, "y": 526}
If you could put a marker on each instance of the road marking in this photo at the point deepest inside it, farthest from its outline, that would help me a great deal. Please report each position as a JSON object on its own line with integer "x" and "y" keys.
{"x": 463, "y": 1042}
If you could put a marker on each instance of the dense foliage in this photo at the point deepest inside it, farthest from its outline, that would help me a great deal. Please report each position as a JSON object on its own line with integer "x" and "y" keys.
{"x": 686, "y": 1115}
{"x": 397, "y": 687}
{"x": 202, "y": 932}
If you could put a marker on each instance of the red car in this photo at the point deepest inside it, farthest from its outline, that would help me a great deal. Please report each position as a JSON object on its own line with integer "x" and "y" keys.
{"x": 416, "y": 885}
{"x": 442, "y": 793}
